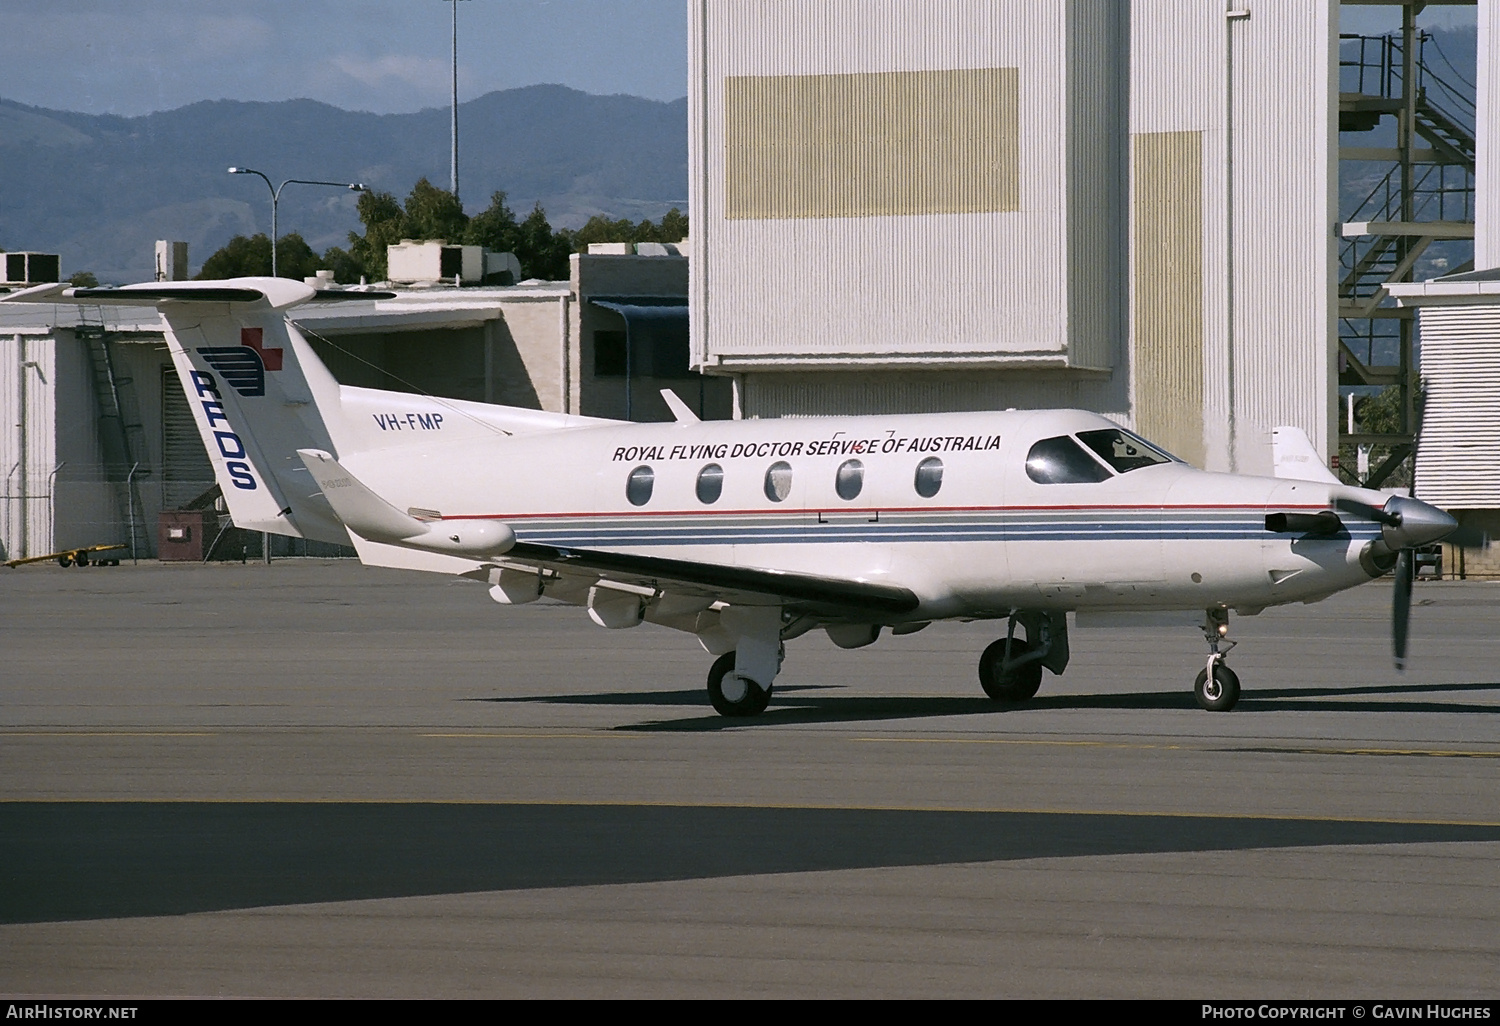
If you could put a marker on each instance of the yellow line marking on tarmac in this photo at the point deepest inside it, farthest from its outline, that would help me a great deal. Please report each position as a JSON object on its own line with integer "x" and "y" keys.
{"x": 1018, "y": 741}
{"x": 798, "y": 806}
{"x": 594, "y": 737}
{"x": 106, "y": 733}
{"x": 1229, "y": 747}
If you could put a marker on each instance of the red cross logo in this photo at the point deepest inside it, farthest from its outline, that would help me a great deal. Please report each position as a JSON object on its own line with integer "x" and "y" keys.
{"x": 255, "y": 339}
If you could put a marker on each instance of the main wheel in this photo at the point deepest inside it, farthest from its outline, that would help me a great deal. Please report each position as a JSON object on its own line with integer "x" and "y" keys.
{"x": 65, "y": 561}
{"x": 1220, "y": 695}
{"x": 82, "y": 559}
{"x": 1018, "y": 683}
{"x": 733, "y": 695}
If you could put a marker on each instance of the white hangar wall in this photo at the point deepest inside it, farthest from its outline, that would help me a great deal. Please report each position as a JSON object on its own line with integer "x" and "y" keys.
{"x": 969, "y": 204}
{"x": 1234, "y": 154}
{"x": 886, "y": 184}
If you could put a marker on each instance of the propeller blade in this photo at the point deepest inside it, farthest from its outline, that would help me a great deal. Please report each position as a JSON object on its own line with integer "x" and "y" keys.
{"x": 1368, "y": 512}
{"x": 1468, "y": 538}
{"x": 1401, "y": 606}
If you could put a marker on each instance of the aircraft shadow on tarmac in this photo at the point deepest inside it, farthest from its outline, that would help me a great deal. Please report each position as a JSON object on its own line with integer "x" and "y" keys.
{"x": 830, "y": 704}
{"x": 63, "y": 861}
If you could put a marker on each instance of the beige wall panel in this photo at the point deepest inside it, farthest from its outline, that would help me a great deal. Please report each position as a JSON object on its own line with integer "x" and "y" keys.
{"x": 922, "y": 287}
{"x": 783, "y": 394}
{"x": 900, "y": 142}
{"x": 1168, "y": 296}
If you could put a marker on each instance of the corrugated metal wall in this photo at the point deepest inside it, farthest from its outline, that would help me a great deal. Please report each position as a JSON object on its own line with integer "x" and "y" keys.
{"x": 1487, "y": 162}
{"x": 27, "y": 444}
{"x": 1261, "y": 91}
{"x": 824, "y": 274}
{"x": 1457, "y": 463}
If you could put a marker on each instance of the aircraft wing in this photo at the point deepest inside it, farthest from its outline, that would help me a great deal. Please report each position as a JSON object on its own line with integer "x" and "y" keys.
{"x": 802, "y": 592}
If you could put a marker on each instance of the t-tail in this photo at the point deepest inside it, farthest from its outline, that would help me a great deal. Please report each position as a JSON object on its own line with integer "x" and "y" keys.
{"x": 259, "y": 395}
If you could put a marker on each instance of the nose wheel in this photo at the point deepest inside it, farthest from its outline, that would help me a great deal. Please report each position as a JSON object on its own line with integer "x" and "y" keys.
{"x": 1217, "y": 688}
{"x": 1217, "y": 692}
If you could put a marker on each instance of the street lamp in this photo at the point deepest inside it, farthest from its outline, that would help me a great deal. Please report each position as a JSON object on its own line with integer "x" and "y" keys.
{"x": 276, "y": 197}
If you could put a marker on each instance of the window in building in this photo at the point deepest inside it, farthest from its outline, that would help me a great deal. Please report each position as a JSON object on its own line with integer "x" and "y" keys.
{"x": 609, "y": 354}
{"x": 638, "y": 486}
{"x": 778, "y": 481}
{"x": 929, "y": 477}
{"x": 849, "y": 479}
{"x": 710, "y": 484}
{"x": 1122, "y": 450}
{"x": 1062, "y": 461}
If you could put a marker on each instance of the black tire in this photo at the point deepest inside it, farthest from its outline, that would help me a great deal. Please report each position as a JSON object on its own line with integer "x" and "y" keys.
{"x": 753, "y": 704}
{"x": 82, "y": 559}
{"x": 1020, "y": 683}
{"x": 64, "y": 561}
{"x": 1223, "y": 695}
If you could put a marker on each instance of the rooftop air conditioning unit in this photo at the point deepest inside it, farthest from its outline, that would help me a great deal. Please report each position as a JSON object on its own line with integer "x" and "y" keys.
{"x": 30, "y": 268}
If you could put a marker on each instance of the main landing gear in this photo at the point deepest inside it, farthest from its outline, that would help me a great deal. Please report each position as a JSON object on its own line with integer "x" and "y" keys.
{"x": 1217, "y": 688}
{"x": 1010, "y": 670}
{"x": 733, "y": 694}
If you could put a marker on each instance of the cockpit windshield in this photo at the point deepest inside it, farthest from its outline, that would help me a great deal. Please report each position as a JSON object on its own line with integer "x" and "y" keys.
{"x": 1062, "y": 461}
{"x": 1122, "y": 450}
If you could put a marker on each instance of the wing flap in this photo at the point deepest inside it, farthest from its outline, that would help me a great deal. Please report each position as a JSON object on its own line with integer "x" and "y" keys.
{"x": 808, "y": 592}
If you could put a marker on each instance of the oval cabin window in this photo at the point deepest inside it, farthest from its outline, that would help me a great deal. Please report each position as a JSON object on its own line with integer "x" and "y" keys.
{"x": 638, "y": 486}
{"x": 710, "y": 483}
{"x": 849, "y": 480}
{"x": 929, "y": 477}
{"x": 778, "y": 481}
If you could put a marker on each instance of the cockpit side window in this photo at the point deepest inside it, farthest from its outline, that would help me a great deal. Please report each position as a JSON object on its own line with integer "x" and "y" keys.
{"x": 1062, "y": 461}
{"x": 1122, "y": 450}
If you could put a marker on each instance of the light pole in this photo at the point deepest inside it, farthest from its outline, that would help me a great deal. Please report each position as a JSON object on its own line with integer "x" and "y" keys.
{"x": 276, "y": 197}
{"x": 453, "y": 167}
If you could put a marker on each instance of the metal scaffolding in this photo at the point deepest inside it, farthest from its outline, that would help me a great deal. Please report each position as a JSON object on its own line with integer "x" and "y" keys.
{"x": 1407, "y": 212}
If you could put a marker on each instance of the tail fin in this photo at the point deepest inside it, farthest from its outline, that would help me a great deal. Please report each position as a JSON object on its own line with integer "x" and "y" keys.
{"x": 257, "y": 391}
{"x": 259, "y": 394}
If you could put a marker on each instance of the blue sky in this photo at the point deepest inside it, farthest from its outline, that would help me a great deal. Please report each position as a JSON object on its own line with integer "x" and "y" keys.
{"x": 135, "y": 56}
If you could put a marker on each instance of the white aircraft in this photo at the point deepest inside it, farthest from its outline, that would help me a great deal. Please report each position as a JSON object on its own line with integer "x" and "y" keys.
{"x": 750, "y": 533}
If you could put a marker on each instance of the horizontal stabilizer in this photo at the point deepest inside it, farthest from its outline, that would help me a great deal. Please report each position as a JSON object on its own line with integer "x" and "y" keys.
{"x": 360, "y": 509}
{"x": 279, "y": 293}
{"x": 372, "y": 517}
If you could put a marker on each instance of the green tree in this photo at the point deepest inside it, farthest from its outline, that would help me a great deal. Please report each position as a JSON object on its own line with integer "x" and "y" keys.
{"x": 385, "y": 223}
{"x": 673, "y": 227}
{"x": 84, "y": 280}
{"x": 542, "y": 252}
{"x": 346, "y": 270}
{"x": 243, "y": 257}
{"x": 433, "y": 213}
{"x": 1382, "y": 414}
{"x": 495, "y": 228}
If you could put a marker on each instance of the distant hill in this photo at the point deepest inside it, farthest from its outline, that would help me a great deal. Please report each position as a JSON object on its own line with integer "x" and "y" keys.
{"x": 99, "y": 189}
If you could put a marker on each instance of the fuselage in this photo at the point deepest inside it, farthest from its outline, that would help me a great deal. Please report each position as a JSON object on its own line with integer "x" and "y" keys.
{"x": 951, "y": 506}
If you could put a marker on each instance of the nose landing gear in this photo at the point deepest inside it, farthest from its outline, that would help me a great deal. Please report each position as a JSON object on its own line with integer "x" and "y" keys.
{"x": 1217, "y": 688}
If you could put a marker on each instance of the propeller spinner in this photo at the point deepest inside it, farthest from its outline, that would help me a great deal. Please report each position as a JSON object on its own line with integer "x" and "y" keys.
{"x": 1406, "y": 524}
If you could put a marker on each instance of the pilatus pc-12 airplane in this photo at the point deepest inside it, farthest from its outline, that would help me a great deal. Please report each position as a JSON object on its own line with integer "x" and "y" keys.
{"x": 747, "y": 534}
